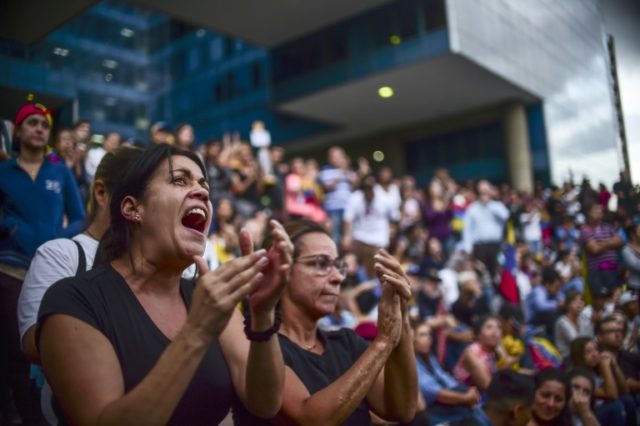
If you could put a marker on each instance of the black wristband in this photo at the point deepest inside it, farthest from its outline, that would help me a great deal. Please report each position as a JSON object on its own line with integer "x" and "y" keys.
{"x": 260, "y": 336}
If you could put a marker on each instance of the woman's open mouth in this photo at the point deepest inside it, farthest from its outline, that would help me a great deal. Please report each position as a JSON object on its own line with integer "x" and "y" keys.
{"x": 196, "y": 219}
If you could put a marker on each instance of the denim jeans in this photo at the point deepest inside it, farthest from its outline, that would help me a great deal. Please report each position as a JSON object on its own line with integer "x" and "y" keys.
{"x": 611, "y": 413}
{"x": 336, "y": 225}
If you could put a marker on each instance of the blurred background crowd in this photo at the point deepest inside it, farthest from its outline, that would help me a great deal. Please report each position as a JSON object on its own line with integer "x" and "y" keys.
{"x": 501, "y": 278}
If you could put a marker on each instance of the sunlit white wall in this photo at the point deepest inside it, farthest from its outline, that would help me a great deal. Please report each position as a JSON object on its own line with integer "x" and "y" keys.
{"x": 555, "y": 50}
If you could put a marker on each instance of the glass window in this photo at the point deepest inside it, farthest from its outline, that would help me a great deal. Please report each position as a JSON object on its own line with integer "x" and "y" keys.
{"x": 194, "y": 59}
{"x": 256, "y": 75}
{"x": 219, "y": 94}
{"x": 215, "y": 49}
{"x": 228, "y": 46}
{"x": 435, "y": 15}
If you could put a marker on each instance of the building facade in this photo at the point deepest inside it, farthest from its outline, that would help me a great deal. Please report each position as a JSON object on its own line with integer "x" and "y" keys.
{"x": 507, "y": 91}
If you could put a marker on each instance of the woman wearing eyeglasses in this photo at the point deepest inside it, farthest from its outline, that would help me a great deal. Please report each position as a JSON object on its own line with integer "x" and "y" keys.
{"x": 334, "y": 377}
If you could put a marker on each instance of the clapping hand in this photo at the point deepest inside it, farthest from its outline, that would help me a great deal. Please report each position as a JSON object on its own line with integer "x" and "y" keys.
{"x": 390, "y": 272}
{"x": 218, "y": 292}
{"x": 266, "y": 295}
{"x": 396, "y": 291}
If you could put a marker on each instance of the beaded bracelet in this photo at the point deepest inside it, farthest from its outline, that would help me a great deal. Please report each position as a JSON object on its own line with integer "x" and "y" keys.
{"x": 260, "y": 336}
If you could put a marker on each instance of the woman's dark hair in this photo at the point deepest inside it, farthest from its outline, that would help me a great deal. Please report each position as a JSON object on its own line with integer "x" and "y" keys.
{"x": 631, "y": 230}
{"x": 110, "y": 171}
{"x": 181, "y": 126}
{"x": 582, "y": 372}
{"x": 296, "y": 229}
{"x": 578, "y": 346}
{"x": 217, "y": 202}
{"x": 556, "y": 375}
{"x": 549, "y": 374}
{"x": 477, "y": 325}
{"x": 570, "y": 297}
{"x": 79, "y": 123}
{"x": 549, "y": 276}
{"x": 134, "y": 183}
{"x": 56, "y": 139}
{"x": 176, "y": 134}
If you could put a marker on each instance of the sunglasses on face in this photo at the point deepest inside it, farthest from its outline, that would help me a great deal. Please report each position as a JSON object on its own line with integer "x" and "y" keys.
{"x": 322, "y": 264}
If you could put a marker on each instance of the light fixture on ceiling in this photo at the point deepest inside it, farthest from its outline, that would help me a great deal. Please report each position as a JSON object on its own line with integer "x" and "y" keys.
{"x": 395, "y": 39}
{"x": 385, "y": 92}
{"x": 378, "y": 156}
{"x": 59, "y": 51}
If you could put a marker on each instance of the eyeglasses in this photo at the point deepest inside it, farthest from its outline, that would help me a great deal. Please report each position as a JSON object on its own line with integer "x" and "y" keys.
{"x": 33, "y": 122}
{"x": 323, "y": 264}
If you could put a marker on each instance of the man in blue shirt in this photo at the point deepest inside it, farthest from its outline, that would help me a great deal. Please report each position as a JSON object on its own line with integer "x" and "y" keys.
{"x": 542, "y": 305}
{"x": 36, "y": 197}
{"x": 447, "y": 399}
{"x": 483, "y": 230}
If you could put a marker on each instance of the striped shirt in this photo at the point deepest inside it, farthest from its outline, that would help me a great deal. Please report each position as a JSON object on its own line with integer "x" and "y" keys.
{"x": 336, "y": 199}
{"x": 605, "y": 260}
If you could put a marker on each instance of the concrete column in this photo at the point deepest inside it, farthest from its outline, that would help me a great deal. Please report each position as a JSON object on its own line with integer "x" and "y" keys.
{"x": 517, "y": 147}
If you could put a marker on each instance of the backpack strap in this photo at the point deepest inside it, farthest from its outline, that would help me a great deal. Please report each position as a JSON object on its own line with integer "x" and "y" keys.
{"x": 82, "y": 260}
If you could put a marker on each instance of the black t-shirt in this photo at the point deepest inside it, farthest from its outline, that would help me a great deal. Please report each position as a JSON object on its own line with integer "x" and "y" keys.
{"x": 102, "y": 299}
{"x": 469, "y": 314}
{"x": 629, "y": 363}
{"x": 341, "y": 350}
{"x": 427, "y": 304}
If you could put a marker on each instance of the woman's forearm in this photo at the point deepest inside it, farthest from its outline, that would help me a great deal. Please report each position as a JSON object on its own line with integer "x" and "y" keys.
{"x": 265, "y": 373}
{"x": 588, "y": 418}
{"x": 478, "y": 372}
{"x": 401, "y": 380}
{"x": 621, "y": 381}
{"x": 609, "y": 388}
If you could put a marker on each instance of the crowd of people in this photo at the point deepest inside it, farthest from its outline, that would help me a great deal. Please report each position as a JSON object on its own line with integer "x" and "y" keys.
{"x": 443, "y": 303}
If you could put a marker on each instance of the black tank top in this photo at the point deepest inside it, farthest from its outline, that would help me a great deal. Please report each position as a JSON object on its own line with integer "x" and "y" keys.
{"x": 102, "y": 299}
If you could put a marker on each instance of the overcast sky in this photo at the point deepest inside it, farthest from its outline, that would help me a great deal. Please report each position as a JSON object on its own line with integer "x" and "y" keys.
{"x": 622, "y": 20}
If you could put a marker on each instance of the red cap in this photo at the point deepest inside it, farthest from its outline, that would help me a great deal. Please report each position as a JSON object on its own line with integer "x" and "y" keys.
{"x": 32, "y": 108}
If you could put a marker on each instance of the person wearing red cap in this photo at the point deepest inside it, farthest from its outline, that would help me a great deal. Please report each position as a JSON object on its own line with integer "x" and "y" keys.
{"x": 35, "y": 195}
{"x": 37, "y": 198}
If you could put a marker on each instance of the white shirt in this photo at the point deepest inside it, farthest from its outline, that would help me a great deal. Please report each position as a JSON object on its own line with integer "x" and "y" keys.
{"x": 524, "y": 285}
{"x": 392, "y": 193}
{"x": 531, "y": 230}
{"x": 53, "y": 261}
{"x": 585, "y": 325}
{"x": 410, "y": 209}
{"x": 370, "y": 223}
{"x": 94, "y": 157}
{"x": 449, "y": 286}
{"x": 209, "y": 256}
